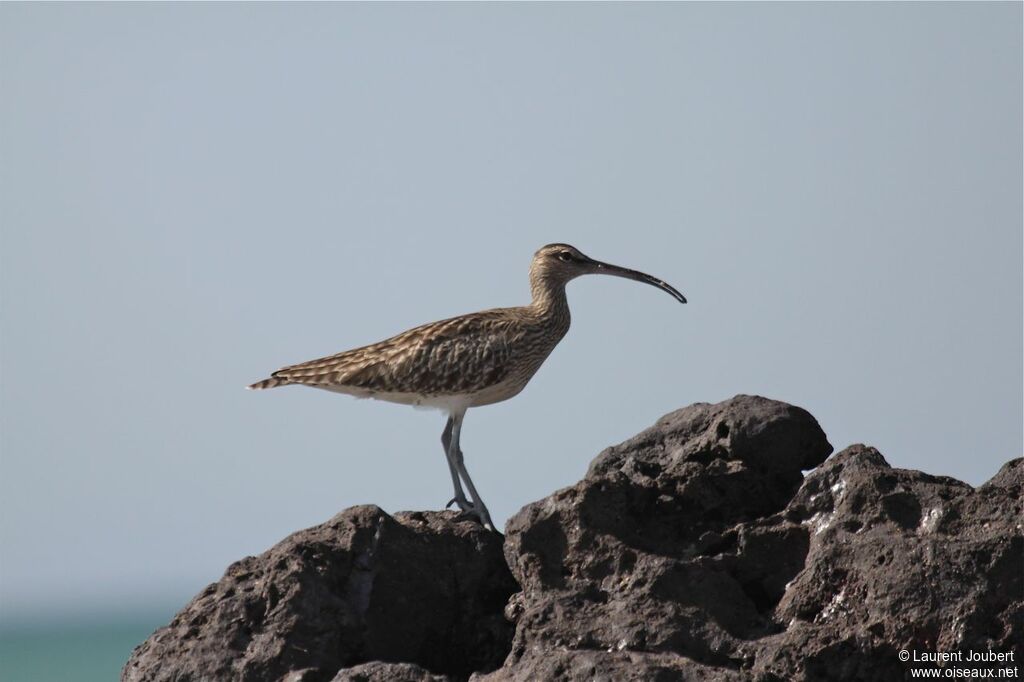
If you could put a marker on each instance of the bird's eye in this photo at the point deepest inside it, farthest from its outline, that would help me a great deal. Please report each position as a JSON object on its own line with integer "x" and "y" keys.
{"x": 565, "y": 256}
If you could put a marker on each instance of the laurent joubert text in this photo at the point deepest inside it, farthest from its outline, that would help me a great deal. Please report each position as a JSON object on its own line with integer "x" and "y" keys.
{"x": 990, "y": 664}
{"x": 968, "y": 656}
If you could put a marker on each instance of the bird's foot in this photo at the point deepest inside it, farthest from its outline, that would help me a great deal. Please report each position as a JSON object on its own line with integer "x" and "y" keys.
{"x": 478, "y": 514}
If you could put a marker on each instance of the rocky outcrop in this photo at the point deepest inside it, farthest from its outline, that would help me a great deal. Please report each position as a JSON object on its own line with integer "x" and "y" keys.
{"x": 667, "y": 550}
{"x": 417, "y": 588}
{"x": 697, "y": 550}
{"x": 899, "y": 560}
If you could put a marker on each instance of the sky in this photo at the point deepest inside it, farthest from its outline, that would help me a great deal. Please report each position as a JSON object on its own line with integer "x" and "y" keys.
{"x": 193, "y": 195}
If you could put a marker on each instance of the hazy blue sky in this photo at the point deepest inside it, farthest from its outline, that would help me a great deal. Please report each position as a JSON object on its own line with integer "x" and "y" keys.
{"x": 193, "y": 195}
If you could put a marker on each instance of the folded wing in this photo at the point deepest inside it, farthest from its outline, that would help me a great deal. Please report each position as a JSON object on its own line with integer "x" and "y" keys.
{"x": 455, "y": 356}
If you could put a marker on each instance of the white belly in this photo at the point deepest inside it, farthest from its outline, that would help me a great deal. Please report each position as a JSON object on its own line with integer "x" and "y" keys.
{"x": 454, "y": 402}
{"x": 445, "y": 403}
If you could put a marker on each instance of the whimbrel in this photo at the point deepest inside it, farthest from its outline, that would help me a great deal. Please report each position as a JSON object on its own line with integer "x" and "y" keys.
{"x": 462, "y": 362}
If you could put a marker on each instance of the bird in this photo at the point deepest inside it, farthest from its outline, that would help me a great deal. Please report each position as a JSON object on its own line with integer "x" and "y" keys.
{"x": 467, "y": 361}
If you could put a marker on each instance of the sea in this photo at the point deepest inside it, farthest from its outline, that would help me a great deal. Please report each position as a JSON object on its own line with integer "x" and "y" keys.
{"x": 72, "y": 652}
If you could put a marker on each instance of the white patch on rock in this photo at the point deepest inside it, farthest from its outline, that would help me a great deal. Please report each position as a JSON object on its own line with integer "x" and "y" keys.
{"x": 930, "y": 520}
{"x": 956, "y": 629}
{"x": 820, "y": 521}
{"x": 833, "y": 607}
{"x": 838, "y": 489}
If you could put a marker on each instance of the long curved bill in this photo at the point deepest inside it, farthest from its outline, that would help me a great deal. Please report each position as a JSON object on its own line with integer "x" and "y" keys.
{"x": 609, "y": 269}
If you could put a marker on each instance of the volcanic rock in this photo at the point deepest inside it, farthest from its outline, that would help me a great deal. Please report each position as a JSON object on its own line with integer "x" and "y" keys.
{"x": 720, "y": 544}
{"x": 661, "y": 548}
{"x": 697, "y": 550}
{"x": 899, "y": 560}
{"x": 388, "y": 672}
{"x": 418, "y": 588}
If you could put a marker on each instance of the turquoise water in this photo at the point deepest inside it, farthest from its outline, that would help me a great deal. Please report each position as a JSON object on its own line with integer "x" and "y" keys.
{"x": 78, "y": 653}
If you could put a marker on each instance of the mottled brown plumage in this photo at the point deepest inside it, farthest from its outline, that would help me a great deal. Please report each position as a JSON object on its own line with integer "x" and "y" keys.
{"x": 464, "y": 361}
{"x": 463, "y": 357}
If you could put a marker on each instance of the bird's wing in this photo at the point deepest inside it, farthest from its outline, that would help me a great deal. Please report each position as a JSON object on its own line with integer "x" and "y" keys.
{"x": 453, "y": 356}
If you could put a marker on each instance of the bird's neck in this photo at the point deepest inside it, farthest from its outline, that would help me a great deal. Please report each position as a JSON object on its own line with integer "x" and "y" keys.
{"x": 549, "y": 301}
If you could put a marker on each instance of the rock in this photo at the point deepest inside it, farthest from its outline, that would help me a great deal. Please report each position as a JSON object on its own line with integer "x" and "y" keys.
{"x": 375, "y": 671}
{"x": 660, "y": 549}
{"x": 899, "y": 560}
{"x": 388, "y": 672}
{"x": 417, "y": 588}
{"x": 581, "y": 665}
{"x": 697, "y": 550}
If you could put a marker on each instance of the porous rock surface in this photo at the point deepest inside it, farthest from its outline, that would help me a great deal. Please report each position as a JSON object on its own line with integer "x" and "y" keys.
{"x": 418, "y": 588}
{"x": 697, "y": 550}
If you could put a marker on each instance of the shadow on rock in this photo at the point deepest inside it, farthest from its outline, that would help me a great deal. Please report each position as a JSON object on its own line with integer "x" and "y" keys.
{"x": 418, "y": 588}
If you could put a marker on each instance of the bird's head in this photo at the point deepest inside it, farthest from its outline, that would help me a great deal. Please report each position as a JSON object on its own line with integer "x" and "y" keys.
{"x": 557, "y": 264}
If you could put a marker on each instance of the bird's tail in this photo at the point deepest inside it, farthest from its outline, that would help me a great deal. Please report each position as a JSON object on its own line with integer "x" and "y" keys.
{"x": 272, "y": 382}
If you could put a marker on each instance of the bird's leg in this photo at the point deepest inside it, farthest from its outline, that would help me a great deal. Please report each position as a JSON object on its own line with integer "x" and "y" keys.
{"x": 479, "y": 509}
{"x": 446, "y": 440}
